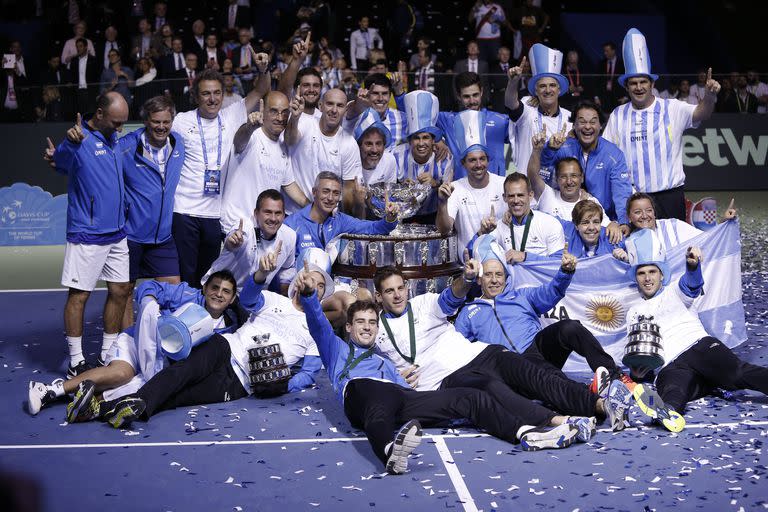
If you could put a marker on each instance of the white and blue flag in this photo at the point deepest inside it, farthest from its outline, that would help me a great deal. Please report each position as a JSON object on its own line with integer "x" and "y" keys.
{"x": 602, "y": 292}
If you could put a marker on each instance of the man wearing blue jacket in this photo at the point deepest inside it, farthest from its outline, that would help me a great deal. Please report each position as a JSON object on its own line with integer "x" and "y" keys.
{"x": 152, "y": 160}
{"x": 123, "y": 372}
{"x": 96, "y": 235}
{"x": 377, "y": 398}
{"x": 318, "y": 223}
{"x": 605, "y": 167}
{"x": 509, "y": 316}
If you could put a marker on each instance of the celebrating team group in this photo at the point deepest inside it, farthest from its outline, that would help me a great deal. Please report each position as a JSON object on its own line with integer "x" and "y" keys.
{"x": 280, "y": 175}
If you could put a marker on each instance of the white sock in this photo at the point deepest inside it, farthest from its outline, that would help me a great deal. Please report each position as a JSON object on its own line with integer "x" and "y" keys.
{"x": 58, "y": 387}
{"x": 106, "y": 342}
{"x": 75, "y": 349}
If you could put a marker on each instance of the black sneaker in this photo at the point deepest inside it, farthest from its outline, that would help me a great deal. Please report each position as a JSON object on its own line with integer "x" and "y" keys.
{"x": 81, "y": 367}
{"x": 124, "y": 411}
{"x": 84, "y": 406}
{"x": 39, "y": 396}
{"x": 533, "y": 439}
{"x": 406, "y": 440}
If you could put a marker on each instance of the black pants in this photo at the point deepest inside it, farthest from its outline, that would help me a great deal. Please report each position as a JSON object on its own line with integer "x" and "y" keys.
{"x": 379, "y": 408}
{"x": 705, "y": 366}
{"x": 507, "y": 375}
{"x": 554, "y": 344}
{"x": 670, "y": 204}
{"x": 198, "y": 242}
{"x": 205, "y": 377}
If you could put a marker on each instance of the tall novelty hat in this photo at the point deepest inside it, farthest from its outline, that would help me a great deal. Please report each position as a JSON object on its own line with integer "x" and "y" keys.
{"x": 644, "y": 248}
{"x": 469, "y": 131}
{"x": 187, "y": 327}
{"x": 487, "y": 248}
{"x": 637, "y": 60}
{"x": 546, "y": 62}
{"x": 371, "y": 119}
{"x": 318, "y": 261}
{"x": 421, "y": 110}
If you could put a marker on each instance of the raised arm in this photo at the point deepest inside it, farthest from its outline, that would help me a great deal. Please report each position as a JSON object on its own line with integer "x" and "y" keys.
{"x": 511, "y": 100}
{"x": 243, "y": 134}
{"x": 706, "y": 106}
{"x": 263, "y": 82}
{"x": 298, "y": 54}
{"x": 534, "y": 163}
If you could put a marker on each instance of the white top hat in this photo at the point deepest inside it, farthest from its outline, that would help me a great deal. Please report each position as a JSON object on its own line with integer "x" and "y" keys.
{"x": 469, "y": 131}
{"x": 546, "y": 62}
{"x": 421, "y": 111}
{"x": 371, "y": 119}
{"x": 637, "y": 60}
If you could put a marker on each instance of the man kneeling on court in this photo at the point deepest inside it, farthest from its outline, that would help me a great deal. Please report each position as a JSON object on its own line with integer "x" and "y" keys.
{"x": 378, "y": 400}
{"x": 223, "y": 368}
{"x": 132, "y": 360}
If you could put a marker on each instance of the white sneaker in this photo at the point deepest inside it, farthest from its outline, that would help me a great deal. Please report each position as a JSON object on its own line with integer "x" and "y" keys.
{"x": 406, "y": 441}
{"x": 40, "y": 396}
{"x": 540, "y": 438}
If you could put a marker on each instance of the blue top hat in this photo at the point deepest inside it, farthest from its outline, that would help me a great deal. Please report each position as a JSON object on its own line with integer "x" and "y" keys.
{"x": 469, "y": 131}
{"x": 371, "y": 119}
{"x": 546, "y": 62}
{"x": 644, "y": 248}
{"x": 487, "y": 248}
{"x": 185, "y": 328}
{"x": 421, "y": 110}
{"x": 318, "y": 261}
{"x": 637, "y": 60}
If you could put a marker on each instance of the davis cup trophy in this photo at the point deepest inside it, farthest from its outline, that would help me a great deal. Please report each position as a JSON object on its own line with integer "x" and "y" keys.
{"x": 427, "y": 259}
{"x": 644, "y": 350}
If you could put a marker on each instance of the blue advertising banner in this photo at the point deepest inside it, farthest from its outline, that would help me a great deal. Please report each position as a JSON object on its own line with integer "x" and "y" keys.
{"x": 31, "y": 216}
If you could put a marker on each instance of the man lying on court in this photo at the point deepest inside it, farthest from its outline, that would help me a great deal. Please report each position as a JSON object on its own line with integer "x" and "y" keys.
{"x": 256, "y": 359}
{"x": 378, "y": 400}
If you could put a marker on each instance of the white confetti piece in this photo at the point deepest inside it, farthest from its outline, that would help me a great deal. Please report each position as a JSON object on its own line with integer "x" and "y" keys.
{"x": 298, "y": 472}
{"x": 333, "y": 429}
{"x": 175, "y": 464}
{"x": 535, "y": 492}
{"x": 629, "y": 479}
{"x": 237, "y": 508}
{"x": 321, "y": 477}
{"x": 351, "y": 488}
{"x": 513, "y": 488}
{"x": 494, "y": 505}
{"x": 275, "y": 477}
{"x": 229, "y": 480}
{"x": 339, "y": 463}
{"x": 656, "y": 479}
{"x": 183, "y": 469}
{"x": 495, "y": 477}
{"x": 533, "y": 481}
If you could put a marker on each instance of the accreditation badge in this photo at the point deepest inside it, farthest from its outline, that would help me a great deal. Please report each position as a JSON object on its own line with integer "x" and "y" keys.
{"x": 212, "y": 185}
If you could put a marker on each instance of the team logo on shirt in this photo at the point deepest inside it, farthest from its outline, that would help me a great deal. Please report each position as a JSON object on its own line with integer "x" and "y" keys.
{"x": 605, "y": 312}
{"x": 599, "y": 165}
{"x": 99, "y": 144}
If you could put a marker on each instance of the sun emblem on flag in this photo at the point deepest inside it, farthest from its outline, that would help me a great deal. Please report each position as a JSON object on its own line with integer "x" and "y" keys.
{"x": 605, "y": 312}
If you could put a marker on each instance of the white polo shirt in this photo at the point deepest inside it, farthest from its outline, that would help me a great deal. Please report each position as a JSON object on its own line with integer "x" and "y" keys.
{"x": 468, "y": 206}
{"x": 530, "y": 123}
{"x": 385, "y": 171}
{"x": 545, "y": 235}
{"x": 189, "y": 198}
{"x": 552, "y": 202}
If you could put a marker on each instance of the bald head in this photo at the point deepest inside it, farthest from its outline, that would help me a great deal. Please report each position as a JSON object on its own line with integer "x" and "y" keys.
{"x": 111, "y": 113}
{"x": 276, "y": 112}
{"x": 333, "y": 107}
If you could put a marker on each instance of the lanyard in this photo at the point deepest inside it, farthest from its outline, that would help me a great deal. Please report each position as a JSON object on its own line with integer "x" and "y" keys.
{"x": 353, "y": 361}
{"x": 503, "y": 330}
{"x": 411, "y": 334}
{"x": 541, "y": 121}
{"x": 525, "y": 232}
{"x": 153, "y": 152}
{"x": 202, "y": 141}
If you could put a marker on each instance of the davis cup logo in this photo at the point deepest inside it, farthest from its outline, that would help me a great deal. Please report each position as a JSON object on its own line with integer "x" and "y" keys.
{"x": 8, "y": 215}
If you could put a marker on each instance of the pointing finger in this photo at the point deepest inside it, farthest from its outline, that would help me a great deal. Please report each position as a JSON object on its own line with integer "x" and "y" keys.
{"x": 240, "y": 227}
{"x": 493, "y": 210}
{"x": 261, "y": 105}
{"x": 466, "y": 255}
{"x": 278, "y": 247}
{"x": 565, "y": 249}
{"x": 709, "y": 74}
{"x": 730, "y": 205}
{"x": 51, "y": 146}
{"x": 307, "y": 39}
{"x": 79, "y": 120}
{"x": 306, "y": 266}
{"x": 522, "y": 63}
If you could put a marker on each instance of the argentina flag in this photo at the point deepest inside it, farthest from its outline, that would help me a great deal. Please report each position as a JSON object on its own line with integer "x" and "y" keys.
{"x": 603, "y": 291}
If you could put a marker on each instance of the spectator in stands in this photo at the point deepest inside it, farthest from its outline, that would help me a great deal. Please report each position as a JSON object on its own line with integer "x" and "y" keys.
{"x": 16, "y": 102}
{"x": 422, "y": 47}
{"x": 170, "y": 63}
{"x": 349, "y": 84}
{"x": 196, "y": 41}
{"x": 576, "y": 82}
{"x": 324, "y": 45}
{"x": 70, "y": 46}
{"x": 746, "y": 102}
{"x": 141, "y": 43}
{"x": 84, "y": 73}
{"x": 498, "y": 78}
{"x": 609, "y": 93}
{"x": 241, "y": 58}
{"x": 400, "y": 24}
{"x": 531, "y": 21}
{"x": 110, "y": 42}
{"x": 330, "y": 75}
{"x": 424, "y": 74}
{"x": 146, "y": 85}
{"x": 117, "y": 78}
{"x": 230, "y": 94}
{"x": 684, "y": 92}
{"x": 51, "y": 109}
{"x": 699, "y": 89}
{"x": 487, "y": 18}
{"x": 671, "y": 92}
{"x": 361, "y": 42}
{"x": 235, "y": 16}
{"x": 758, "y": 89}
{"x": 213, "y": 56}
{"x": 473, "y": 64}
{"x": 159, "y": 17}
{"x": 726, "y": 98}
{"x": 162, "y": 42}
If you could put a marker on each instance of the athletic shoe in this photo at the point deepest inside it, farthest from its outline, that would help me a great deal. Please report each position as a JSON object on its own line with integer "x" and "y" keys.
{"x": 617, "y": 404}
{"x": 81, "y": 367}
{"x": 586, "y": 426}
{"x": 84, "y": 406}
{"x": 100, "y": 361}
{"x": 406, "y": 440}
{"x": 627, "y": 380}
{"x": 600, "y": 382}
{"x": 654, "y": 407}
{"x": 124, "y": 411}
{"x": 40, "y": 396}
{"x": 540, "y": 438}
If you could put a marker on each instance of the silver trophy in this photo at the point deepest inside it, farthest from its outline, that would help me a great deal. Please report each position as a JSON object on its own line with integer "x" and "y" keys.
{"x": 408, "y": 195}
{"x": 644, "y": 346}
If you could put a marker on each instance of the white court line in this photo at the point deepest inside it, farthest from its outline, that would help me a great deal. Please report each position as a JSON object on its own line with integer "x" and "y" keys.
{"x": 35, "y": 290}
{"x": 455, "y": 475}
{"x": 436, "y": 437}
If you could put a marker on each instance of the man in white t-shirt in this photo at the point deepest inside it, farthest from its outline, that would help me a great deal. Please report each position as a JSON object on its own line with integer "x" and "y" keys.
{"x": 488, "y": 18}
{"x": 315, "y": 146}
{"x": 523, "y": 235}
{"x": 759, "y": 89}
{"x": 649, "y": 130}
{"x": 253, "y": 237}
{"x": 259, "y": 161}
{"x": 464, "y": 203}
{"x": 208, "y": 133}
{"x": 378, "y": 164}
{"x": 542, "y": 109}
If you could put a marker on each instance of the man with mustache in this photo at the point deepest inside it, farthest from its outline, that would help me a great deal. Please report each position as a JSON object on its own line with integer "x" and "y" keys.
{"x": 306, "y": 82}
{"x": 259, "y": 161}
{"x": 207, "y": 133}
